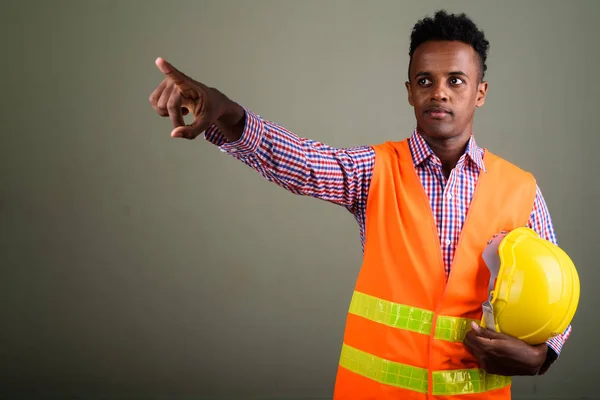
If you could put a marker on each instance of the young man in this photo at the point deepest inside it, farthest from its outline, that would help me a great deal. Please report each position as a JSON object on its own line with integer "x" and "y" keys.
{"x": 422, "y": 204}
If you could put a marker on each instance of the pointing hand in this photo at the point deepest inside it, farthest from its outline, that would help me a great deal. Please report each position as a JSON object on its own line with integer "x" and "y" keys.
{"x": 179, "y": 94}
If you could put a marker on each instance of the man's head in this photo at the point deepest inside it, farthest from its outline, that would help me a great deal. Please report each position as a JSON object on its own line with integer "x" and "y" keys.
{"x": 446, "y": 74}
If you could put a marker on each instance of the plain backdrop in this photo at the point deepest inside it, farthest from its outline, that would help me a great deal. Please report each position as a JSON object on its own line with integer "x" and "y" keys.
{"x": 137, "y": 266}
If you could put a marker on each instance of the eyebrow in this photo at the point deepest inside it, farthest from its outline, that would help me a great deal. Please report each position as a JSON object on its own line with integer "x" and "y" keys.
{"x": 453, "y": 73}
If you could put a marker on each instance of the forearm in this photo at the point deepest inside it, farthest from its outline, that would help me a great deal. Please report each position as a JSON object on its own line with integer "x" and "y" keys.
{"x": 528, "y": 362}
{"x": 300, "y": 165}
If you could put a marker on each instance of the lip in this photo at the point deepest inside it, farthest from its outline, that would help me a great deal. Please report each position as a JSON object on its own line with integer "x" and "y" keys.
{"x": 437, "y": 112}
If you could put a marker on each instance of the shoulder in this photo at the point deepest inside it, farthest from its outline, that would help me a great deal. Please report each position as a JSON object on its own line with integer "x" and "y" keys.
{"x": 511, "y": 179}
{"x": 390, "y": 148}
{"x": 506, "y": 168}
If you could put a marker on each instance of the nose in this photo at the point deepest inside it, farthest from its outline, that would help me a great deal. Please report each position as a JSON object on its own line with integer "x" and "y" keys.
{"x": 439, "y": 92}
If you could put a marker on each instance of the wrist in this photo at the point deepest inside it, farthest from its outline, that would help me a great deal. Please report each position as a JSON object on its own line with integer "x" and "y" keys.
{"x": 551, "y": 356}
{"x": 231, "y": 117}
{"x": 540, "y": 355}
{"x": 230, "y": 113}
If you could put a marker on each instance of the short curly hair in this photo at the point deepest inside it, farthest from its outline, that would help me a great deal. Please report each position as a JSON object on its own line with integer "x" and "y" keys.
{"x": 444, "y": 26}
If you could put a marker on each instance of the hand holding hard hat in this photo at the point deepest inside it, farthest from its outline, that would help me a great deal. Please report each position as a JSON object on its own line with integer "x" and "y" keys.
{"x": 534, "y": 287}
{"x": 533, "y": 296}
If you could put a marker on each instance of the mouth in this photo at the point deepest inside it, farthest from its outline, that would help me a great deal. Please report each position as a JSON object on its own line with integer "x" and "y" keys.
{"x": 437, "y": 112}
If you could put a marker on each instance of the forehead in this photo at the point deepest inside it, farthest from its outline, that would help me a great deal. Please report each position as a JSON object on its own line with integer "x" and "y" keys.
{"x": 443, "y": 57}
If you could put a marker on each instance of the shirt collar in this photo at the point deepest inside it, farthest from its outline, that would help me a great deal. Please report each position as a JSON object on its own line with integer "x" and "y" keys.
{"x": 421, "y": 151}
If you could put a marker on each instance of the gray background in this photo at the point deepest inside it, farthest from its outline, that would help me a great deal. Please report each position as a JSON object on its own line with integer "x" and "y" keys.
{"x": 136, "y": 266}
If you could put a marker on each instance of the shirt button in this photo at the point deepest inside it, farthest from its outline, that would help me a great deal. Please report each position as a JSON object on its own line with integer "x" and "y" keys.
{"x": 448, "y": 241}
{"x": 449, "y": 196}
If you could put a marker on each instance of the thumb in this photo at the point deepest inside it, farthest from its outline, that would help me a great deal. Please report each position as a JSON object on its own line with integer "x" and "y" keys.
{"x": 179, "y": 78}
{"x": 190, "y": 131}
{"x": 484, "y": 332}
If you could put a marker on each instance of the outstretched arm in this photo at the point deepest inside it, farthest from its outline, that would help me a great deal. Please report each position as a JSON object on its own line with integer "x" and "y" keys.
{"x": 301, "y": 166}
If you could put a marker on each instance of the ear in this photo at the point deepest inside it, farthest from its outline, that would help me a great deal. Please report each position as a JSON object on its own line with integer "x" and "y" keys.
{"x": 481, "y": 93}
{"x": 408, "y": 89}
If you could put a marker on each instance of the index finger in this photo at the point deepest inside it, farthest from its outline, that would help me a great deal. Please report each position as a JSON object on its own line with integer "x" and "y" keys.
{"x": 179, "y": 78}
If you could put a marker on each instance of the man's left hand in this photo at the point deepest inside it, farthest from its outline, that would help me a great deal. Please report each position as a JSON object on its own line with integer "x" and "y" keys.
{"x": 501, "y": 354}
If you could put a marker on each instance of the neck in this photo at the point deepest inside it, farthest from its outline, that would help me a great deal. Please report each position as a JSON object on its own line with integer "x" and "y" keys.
{"x": 448, "y": 150}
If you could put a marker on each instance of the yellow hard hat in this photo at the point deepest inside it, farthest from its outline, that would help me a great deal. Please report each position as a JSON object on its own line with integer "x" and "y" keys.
{"x": 534, "y": 286}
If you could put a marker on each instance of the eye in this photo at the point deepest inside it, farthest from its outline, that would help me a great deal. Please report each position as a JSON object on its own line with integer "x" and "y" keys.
{"x": 456, "y": 81}
{"x": 424, "y": 82}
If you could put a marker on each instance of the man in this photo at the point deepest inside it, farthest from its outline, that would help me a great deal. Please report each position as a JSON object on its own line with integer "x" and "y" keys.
{"x": 422, "y": 204}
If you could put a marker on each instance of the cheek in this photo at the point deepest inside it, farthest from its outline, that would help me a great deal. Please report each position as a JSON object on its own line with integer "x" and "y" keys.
{"x": 419, "y": 95}
{"x": 467, "y": 101}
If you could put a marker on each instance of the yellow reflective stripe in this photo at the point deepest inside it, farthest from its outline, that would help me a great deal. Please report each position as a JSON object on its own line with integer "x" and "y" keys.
{"x": 467, "y": 381}
{"x": 384, "y": 371}
{"x": 413, "y": 319}
{"x": 462, "y": 381}
{"x": 391, "y": 314}
{"x": 452, "y": 329}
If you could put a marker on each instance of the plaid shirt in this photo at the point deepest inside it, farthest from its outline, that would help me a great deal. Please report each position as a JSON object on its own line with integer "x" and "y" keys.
{"x": 342, "y": 176}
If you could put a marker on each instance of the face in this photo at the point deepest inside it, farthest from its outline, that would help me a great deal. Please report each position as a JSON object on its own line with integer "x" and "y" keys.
{"x": 444, "y": 88}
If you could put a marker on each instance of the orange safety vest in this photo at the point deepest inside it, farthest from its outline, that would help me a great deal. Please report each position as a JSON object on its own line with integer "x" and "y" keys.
{"x": 406, "y": 322}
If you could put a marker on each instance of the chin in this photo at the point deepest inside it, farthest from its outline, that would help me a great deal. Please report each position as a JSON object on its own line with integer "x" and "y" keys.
{"x": 439, "y": 131}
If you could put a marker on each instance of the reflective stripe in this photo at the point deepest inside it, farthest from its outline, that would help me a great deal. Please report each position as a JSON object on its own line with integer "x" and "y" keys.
{"x": 462, "y": 381}
{"x": 413, "y": 319}
{"x": 391, "y": 314}
{"x": 467, "y": 381}
{"x": 384, "y": 371}
{"x": 452, "y": 329}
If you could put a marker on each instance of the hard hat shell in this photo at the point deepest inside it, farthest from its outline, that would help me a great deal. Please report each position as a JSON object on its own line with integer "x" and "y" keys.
{"x": 537, "y": 289}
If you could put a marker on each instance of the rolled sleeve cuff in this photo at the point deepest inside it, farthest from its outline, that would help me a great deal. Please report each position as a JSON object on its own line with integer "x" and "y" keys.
{"x": 557, "y": 342}
{"x": 249, "y": 141}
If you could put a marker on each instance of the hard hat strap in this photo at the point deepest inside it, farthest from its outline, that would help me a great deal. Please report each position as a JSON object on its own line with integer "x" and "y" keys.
{"x": 492, "y": 261}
